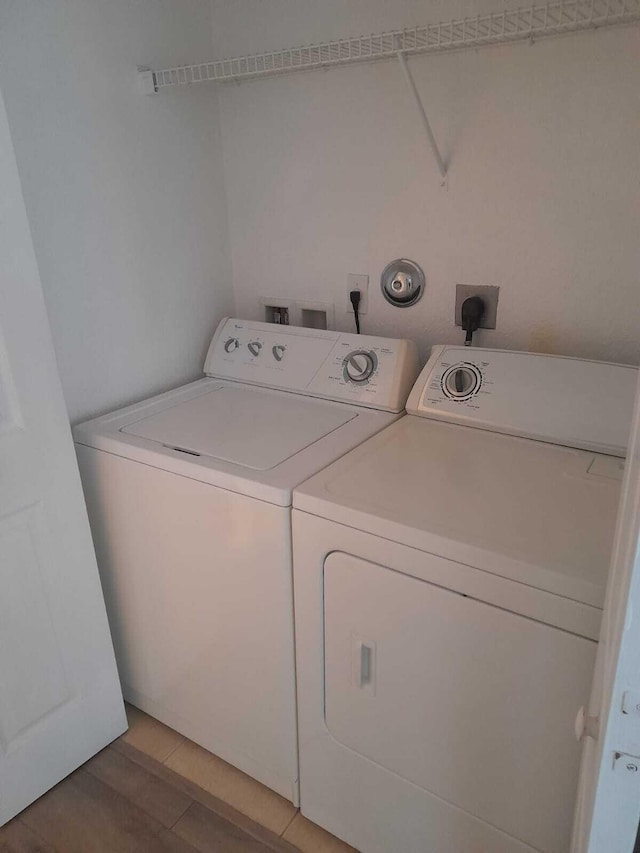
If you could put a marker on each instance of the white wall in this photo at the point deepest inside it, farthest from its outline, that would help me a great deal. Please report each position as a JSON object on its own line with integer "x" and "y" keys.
{"x": 329, "y": 172}
{"x": 124, "y": 193}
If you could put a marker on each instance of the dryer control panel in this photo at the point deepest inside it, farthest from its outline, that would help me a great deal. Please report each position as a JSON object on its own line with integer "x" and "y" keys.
{"x": 569, "y": 401}
{"x": 362, "y": 369}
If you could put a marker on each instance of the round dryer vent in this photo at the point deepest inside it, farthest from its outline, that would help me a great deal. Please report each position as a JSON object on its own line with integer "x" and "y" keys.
{"x": 402, "y": 283}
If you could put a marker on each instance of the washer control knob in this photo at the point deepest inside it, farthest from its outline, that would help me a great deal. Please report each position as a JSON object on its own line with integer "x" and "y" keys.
{"x": 461, "y": 381}
{"x": 278, "y": 352}
{"x": 231, "y": 345}
{"x": 359, "y": 366}
{"x": 255, "y": 347}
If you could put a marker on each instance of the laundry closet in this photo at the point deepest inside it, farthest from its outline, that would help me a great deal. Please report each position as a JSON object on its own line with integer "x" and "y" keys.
{"x": 203, "y": 177}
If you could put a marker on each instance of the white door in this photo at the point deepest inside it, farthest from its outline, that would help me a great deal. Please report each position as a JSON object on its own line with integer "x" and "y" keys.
{"x": 608, "y": 804}
{"x": 60, "y": 699}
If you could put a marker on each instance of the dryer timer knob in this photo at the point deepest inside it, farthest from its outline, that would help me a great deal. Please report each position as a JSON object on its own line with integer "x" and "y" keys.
{"x": 461, "y": 381}
{"x": 231, "y": 345}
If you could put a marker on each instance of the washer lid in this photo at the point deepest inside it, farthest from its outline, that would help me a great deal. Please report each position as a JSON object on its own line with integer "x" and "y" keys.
{"x": 245, "y": 427}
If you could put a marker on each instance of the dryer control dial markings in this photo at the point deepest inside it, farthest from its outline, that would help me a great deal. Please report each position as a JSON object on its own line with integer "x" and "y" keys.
{"x": 461, "y": 381}
{"x": 359, "y": 366}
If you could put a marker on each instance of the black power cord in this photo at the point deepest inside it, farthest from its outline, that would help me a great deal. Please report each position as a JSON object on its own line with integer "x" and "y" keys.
{"x": 472, "y": 314}
{"x": 355, "y": 296}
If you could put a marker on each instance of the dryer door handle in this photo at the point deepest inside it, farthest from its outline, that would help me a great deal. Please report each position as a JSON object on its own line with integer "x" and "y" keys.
{"x": 363, "y": 663}
{"x": 366, "y": 659}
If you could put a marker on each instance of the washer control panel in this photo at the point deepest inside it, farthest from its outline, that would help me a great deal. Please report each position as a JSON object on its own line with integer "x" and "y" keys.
{"x": 570, "y": 401}
{"x": 362, "y": 369}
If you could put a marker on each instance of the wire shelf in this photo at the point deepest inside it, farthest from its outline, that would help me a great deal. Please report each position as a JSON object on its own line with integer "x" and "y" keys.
{"x": 533, "y": 22}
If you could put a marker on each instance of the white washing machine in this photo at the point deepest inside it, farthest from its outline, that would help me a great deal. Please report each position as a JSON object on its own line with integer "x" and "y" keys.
{"x": 449, "y": 576}
{"x": 189, "y": 498}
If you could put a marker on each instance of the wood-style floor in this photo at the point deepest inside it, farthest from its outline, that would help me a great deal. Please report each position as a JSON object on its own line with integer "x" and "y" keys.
{"x": 129, "y": 799}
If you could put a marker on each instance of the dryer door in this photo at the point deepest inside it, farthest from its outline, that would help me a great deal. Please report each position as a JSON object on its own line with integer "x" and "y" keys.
{"x": 471, "y": 702}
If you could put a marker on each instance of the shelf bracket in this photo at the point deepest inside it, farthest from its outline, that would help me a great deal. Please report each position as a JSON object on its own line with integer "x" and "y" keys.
{"x": 402, "y": 59}
{"x": 147, "y": 83}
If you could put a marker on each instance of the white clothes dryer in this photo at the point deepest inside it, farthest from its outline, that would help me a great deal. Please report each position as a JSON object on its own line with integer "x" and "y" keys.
{"x": 189, "y": 498}
{"x": 449, "y": 576}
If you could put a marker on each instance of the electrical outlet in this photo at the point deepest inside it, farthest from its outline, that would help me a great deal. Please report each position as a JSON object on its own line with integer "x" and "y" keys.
{"x": 489, "y": 296}
{"x": 361, "y": 283}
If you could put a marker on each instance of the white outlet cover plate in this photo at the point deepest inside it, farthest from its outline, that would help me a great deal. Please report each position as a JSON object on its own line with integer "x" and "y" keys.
{"x": 361, "y": 283}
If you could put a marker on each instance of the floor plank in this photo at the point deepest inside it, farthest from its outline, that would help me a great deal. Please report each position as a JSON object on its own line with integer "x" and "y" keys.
{"x": 210, "y": 833}
{"x": 309, "y": 838}
{"x": 150, "y": 735}
{"x": 83, "y": 815}
{"x": 209, "y": 801}
{"x": 16, "y": 837}
{"x": 233, "y": 786}
{"x": 157, "y": 798}
{"x": 172, "y": 843}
